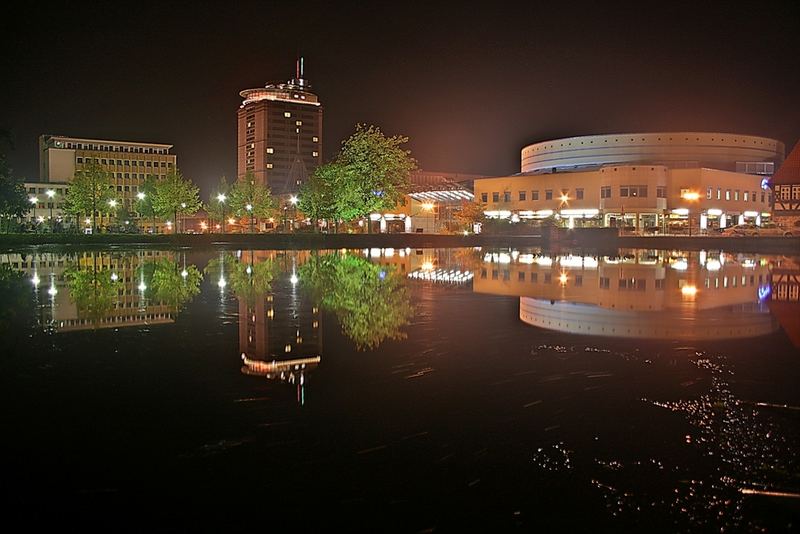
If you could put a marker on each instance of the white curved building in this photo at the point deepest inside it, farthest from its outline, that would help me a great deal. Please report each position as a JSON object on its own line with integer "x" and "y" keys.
{"x": 647, "y": 182}
{"x": 722, "y": 151}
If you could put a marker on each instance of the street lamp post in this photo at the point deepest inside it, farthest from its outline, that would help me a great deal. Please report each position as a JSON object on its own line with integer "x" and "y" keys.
{"x": 50, "y": 194}
{"x": 691, "y": 196}
{"x": 141, "y": 196}
{"x": 293, "y": 201}
{"x": 249, "y": 208}
{"x": 183, "y": 217}
{"x": 221, "y": 199}
{"x": 33, "y": 201}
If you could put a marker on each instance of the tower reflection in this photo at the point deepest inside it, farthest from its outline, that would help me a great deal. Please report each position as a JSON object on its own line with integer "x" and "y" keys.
{"x": 279, "y": 326}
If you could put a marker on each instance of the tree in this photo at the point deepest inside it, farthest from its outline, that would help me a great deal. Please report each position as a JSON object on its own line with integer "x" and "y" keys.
{"x": 13, "y": 199}
{"x": 247, "y": 192}
{"x": 470, "y": 214}
{"x": 90, "y": 192}
{"x": 216, "y": 207}
{"x": 374, "y": 172}
{"x": 317, "y": 198}
{"x": 175, "y": 194}
{"x": 144, "y": 199}
{"x": 125, "y": 222}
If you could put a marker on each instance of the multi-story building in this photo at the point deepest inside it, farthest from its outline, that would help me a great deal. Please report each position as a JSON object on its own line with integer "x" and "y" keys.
{"x": 644, "y": 181}
{"x": 280, "y": 133}
{"x": 786, "y": 185}
{"x": 128, "y": 163}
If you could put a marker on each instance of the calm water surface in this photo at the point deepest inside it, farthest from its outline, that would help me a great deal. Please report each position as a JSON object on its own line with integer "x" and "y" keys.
{"x": 401, "y": 389}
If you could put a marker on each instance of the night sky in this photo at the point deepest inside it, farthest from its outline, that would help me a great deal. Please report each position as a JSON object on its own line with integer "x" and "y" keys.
{"x": 469, "y": 85}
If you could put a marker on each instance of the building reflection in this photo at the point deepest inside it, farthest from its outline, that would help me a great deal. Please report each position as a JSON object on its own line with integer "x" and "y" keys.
{"x": 279, "y": 325}
{"x": 784, "y": 298}
{"x": 638, "y": 294}
{"x": 95, "y": 290}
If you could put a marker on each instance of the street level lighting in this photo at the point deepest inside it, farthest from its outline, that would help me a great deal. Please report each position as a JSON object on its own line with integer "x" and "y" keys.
{"x": 50, "y": 194}
{"x": 691, "y": 196}
{"x": 182, "y": 219}
{"x": 221, "y": 199}
{"x": 249, "y": 208}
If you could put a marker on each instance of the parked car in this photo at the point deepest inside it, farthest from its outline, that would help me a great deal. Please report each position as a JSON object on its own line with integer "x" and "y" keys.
{"x": 767, "y": 229}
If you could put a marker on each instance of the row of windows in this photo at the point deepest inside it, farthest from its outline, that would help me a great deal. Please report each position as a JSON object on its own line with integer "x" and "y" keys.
{"x": 787, "y": 192}
{"x": 128, "y": 163}
{"x": 115, "y": 148}
{"x": 591, "y": 142}
{"x": 605, "y": 192}
{"x": 735, "y": 194}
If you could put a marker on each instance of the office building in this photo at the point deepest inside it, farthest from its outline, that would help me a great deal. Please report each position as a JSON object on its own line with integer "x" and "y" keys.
{"x": 128, "y": 163}
{"x": 280, "y": 134}
{"x": 646, "y": 182}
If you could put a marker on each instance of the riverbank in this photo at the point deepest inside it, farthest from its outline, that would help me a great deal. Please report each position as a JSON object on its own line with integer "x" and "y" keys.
{"x": 582, "y": 238}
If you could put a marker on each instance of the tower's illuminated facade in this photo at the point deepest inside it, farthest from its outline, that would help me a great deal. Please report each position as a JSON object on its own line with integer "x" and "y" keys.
{"x": 280, "y": 133}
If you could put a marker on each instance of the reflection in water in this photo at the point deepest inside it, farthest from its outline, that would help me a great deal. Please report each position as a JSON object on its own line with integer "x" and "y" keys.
{"x": 279, "y": 326}
{"x": 644, "y": 294}
{"x": 370, "y": 300}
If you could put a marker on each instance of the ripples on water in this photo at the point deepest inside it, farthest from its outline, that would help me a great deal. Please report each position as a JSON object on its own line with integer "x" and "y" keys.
{"x": 415, "y": 388}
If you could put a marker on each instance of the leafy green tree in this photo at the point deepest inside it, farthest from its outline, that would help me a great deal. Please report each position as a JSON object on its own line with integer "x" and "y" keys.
{"x": 317, "y": 198}
{"x": 248, "y": 192}
{"x": 13, "y": 199}
{"x": 216, "y": 208}
{"x": 125, "y": 221}
{"x": 370, "y": 301}
{"x": 175, "y": 194}
{"x": 89, "y": 193}
{"x": 374, "y": 173}
{"x": 144, "y": 199}
{"x": 469, "y": 214}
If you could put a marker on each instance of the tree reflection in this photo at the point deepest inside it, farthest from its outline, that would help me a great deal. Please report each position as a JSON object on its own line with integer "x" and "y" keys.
{"x": 370, "y": 301}
{"x": 172, "y": 284}
{"x": 247, "y": 279}
{"x": 93, "y": 290}
{"x": 17, "y": 310}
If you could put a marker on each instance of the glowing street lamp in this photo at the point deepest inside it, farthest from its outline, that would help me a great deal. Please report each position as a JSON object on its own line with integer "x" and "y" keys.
{"x": 50, "y": 194}
{"x": 691, "y": 196}
{"x": 140, "y": 195}
{"x": 112, "y": 203}
{"x": 221, "y": 199}
{"x": 249, "y": 208}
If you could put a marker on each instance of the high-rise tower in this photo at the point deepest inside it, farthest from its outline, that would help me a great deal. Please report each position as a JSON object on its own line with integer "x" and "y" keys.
{"x": 280, "y": 133}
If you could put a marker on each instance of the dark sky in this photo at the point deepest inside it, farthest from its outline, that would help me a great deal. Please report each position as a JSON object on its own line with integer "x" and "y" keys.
{"x": 470, "y": 84}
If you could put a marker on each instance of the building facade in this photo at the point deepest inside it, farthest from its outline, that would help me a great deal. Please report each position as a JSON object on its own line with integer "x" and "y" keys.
{"x": 786, "y": 187}
{"x": 657, "y": 182}
{"x": 280, "y": 134}
{"x": 128, "y": 163}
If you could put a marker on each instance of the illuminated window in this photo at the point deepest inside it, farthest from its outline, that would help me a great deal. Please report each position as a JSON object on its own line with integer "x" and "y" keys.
{"x": 298, "y": 123}
{"x": 269, "y": 165}
{"x": 709, "y": 193}
{"x": 270, "y": 150}
{"x": 315, "y": 154}
{"x": 736, "y": 195}
{"x": 727, "y": 194}
{"x": 315, "y": 139}
{"x": 287, "y": 114}
{"x": 745, "y": 196}
{"x": 719, "y": 194}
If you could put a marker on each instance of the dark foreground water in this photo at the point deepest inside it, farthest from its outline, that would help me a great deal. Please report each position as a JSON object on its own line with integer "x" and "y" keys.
{"x": 409, "y": 390}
